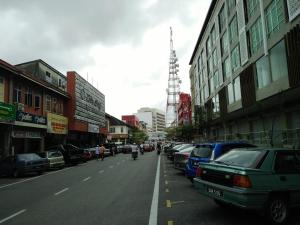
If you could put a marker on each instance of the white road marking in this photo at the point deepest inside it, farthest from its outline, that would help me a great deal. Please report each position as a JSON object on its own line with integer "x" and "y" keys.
{"x": 154, "y": 204}
{"x": 118, "y": 163}
{"x": 63, "y": 190}
{"x": 123, "y": 160}
{"x": 101, "y": 171}
{"x": 111, "y": 167}
{"x": 33, "y": 178}
{"x": 86, "y": 179}
{"x": 13, "y": 215}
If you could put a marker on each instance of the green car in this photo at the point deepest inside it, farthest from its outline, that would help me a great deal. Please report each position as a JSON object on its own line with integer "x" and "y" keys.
{"x": 263, "y": 179}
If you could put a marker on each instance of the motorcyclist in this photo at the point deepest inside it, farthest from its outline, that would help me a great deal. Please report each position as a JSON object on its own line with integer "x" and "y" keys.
{"x": 158, "y": 147}
{"x": 134, "y": 152}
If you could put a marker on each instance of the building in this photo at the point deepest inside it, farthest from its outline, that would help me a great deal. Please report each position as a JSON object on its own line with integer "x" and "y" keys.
{"x": 86, "y": 112}
{"x": 184, "y": 110}
{"x": 118, "y": 130}
{"x": 155, "y": 121}
{"x": 55, "y": 103}
{"x": 131, "y": 120}
{"x": 245, "y": 71}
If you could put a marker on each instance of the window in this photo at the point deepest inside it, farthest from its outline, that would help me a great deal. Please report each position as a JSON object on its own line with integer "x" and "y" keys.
{"x": 206, "y": 91}
{"x": 60, "y": 108}
{"x": 233, "y": 30}
{"x": 274, "y": 16}
{"x": 37, "y": 101}
{"x": 112, "y": 130}
{"x": 210, "y": 65}
{"x": 48, "y": 103}
{"x": 17, "y": 94}
{"x": 224, "y": 43}
{"x": 216, "y": 106}
{"x": 54, "y": 105}
{"x": 222, "y": 19}
{"x": 230, "y": 6}
{"x": 199, "y": 64}
{"x": 271, "y": 68}
{"x": 235, "y": 58}
{"x": 212, "y": 86}
{"x": 230, "y": 94}
{"x": 215, "y": 61}
{"x": 278, "y": 61}
{"x": 48, "y": 74}
{"x": 28, "y": 97}
{"x": 213, "y": 36}
{"x": 122, "y": 130}
{"x": 287, "y": 162}
{"x": 256, "y": 36}
{"x": 208, "y": 46}
{"x": 226, "y": 68}
{"x": 216, "y": 79}
{"x": 1, "y": 89}
{"x": 252, "y": 6}
{"x": 234, "y": 91}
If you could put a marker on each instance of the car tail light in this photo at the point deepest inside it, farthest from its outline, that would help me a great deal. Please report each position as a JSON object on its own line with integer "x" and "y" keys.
{"x": 199, "y": 172}
{"x": 242, "y": 181}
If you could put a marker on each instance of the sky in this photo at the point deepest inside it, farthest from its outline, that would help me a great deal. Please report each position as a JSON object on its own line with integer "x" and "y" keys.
{"x": 122, "y": 47}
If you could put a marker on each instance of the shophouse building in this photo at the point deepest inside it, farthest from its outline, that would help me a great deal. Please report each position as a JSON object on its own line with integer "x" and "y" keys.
{"x": 184, "y": 110}
{"x": 54, "y": 103}
{"x": 119, "y": 131}
{"x": 245, "y": 72}
{"x": 86, "y": 112}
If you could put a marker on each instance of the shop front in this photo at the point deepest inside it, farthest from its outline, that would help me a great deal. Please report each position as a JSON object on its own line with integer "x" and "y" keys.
{"x": 28, "y": 133}
{"x": 57, "y": 130}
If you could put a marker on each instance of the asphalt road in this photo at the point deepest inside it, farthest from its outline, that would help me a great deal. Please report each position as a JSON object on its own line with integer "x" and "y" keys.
{"x": 115, "y": 191}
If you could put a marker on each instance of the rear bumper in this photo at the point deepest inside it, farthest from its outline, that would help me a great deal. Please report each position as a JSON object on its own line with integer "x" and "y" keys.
{"x": 190, "y": 171}
{"x": 180, "y": 166}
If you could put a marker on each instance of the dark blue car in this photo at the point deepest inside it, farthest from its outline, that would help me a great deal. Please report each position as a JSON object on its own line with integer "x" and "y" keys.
{"x": 207, "y": 152}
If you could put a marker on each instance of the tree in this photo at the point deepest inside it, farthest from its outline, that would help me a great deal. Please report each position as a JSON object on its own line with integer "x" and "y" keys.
{"x": 138, "y": 136}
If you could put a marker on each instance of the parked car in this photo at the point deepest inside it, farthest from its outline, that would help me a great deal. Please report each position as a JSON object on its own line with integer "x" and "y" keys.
{"x": 71, "y": 155}
{"x": 263, "y": 179}
{"x": 208, "y": 152}
{"x": 21, "y": 164}
{"x": 177, "y": 148}
{"x": 181, "y": 158}
{"x": 55, "y": 159}
{"x": 148, "y": 147}
{"x": 126, "y": 149}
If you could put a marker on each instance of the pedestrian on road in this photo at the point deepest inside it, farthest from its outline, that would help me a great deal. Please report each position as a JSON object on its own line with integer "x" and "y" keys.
{"x": 97, "y": 152}
{"x": 102, "y": 150}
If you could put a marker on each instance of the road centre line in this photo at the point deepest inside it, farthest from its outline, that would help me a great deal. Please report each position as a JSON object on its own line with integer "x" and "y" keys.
{"x": 63, "y": 190}
{"x": 13, "y": 215}
{"x": 170, "y": 222}
{"x": 101, "y": 171}
{"x": 154, "y": 204}
{"x": 33, "y": 178}
{"x": 168, "y": 203}
{"x": 86, "y": 179}
{"x": 111, "y": 167}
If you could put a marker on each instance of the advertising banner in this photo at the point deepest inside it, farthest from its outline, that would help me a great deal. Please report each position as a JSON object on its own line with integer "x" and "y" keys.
{"x": 57, "y": 124}
{"x": 293, "y": 9}
{"x": 7, "y": 112}
{"x": 30, "y": 118}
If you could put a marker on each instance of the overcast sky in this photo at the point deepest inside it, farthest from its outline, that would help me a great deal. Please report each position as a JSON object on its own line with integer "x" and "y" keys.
{"x": 122, "y": 46}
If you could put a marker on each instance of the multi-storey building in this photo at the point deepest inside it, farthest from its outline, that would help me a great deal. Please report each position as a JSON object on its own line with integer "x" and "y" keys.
{"x": 118, "y": 131}
{"x": 184, "y": 110}
{"x": 131, "y": 120}
{"x": 246, "y": 60}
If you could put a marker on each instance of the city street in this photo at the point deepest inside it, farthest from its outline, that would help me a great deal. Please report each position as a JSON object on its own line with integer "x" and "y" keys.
{"x": 115, "y": 191}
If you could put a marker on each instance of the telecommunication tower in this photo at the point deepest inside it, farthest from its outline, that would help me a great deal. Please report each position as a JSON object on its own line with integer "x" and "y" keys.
{"x": 173, "y": 89}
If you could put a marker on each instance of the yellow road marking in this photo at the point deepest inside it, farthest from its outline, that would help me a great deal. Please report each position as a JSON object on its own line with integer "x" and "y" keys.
{"x": 169, "y": 204}
{"x": 170, "y": 222}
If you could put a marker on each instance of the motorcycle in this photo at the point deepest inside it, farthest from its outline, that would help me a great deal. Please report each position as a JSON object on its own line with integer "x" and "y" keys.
{"x": 134, "y": 155}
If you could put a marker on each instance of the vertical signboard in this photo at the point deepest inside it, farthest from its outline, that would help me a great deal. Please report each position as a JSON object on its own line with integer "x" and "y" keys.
{"x": 293, "y": 8}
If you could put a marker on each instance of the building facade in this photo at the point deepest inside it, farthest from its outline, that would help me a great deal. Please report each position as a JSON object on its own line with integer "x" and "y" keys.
{"x": 118, "y": 130}
{"x": 131, "y": 120}
{"x": 245, "y": 70}
{"x": 184, "y": 110}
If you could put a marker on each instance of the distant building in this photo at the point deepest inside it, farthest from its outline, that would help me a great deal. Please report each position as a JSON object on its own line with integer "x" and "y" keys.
{"x": 118, "y": 130}
{"x": 131, "y": 120}
{"x": 245, "y": 72}
{"x": 184, "y": 109}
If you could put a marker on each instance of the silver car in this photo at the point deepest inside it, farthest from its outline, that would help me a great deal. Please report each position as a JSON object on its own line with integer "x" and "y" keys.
{"x": 181, "y": 158}
{"x": 55, "y": 159}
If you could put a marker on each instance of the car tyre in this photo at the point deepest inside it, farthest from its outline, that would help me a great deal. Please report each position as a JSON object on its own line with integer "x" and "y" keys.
{"x": 277, "y": 210}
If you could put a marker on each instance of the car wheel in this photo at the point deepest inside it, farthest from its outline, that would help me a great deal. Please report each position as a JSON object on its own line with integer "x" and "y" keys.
{"x": 277, "y": 210}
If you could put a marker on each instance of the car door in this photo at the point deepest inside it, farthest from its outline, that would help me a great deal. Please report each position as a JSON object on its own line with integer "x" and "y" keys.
{"x": 287, "y": 170}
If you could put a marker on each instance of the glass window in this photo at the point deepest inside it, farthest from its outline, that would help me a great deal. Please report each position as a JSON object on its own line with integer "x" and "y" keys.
{"x": 216, "y": 106}
{"x": 215, "y": 60}
{"x": 1, "y": 89}
{"x": 287, "y": 162}
{"x": 222, "y": 19}
{"x": 233, "y": 30}
{"x": 263, "y": 72}
{"x": 199, "y": 62}
{"x": 235, "y": 58}
{"x": 230, "y": 6}
{"x": 237, "y": 89}
{"x": 278, "y": 61}
{"x": 252, "y": 6}
{"x": 216, "y": 79}
{"x": 212, "y": 86}
{"x": 37, "y": 101}
{"x": 226, "y": 68}
{"x": 48, "y": 103}
{"x": 210, "y": 65}
{"x": 206, "y": 91}
{"x": 256, "y": 36}
{"x": 28, "y": 97}
{"x": 112, "y": 130}
{"x": 202, "y": 151}
{"x": 208, "y": 46}
{"x": 230, "y": 93}
{"x": 17, "y": 94}
{"x": 274, "y": 16}
{"x": 54, "y": 105}
{"x": 213, "y": 36}
{"x": 224, "y": 43}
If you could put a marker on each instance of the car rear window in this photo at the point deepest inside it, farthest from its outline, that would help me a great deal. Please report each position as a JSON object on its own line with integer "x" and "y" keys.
{"x": 28, "y": 157}
{"x": 242, "y": 158}
{"x": 202, "y": 151}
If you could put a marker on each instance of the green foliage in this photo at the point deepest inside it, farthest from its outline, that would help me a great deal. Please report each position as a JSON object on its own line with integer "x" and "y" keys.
{"x": 138, "y": 136}
{"x": 181, "y": 133}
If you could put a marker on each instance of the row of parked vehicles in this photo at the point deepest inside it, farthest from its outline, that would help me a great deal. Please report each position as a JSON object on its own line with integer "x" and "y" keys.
{"x": 243, "y": 175}
{"x": 54, "y": 157}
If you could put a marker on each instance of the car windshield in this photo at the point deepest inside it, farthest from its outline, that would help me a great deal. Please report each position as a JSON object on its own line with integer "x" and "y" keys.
{"x": 188, "y": 149}
{"x": 202, "y": 151}
{"x": 242, "y": 158}
{"x": 53, "y": 154}
{"x": 28, "y": 157}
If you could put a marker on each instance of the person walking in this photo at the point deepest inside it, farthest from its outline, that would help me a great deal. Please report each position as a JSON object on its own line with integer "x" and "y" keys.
{"x": 97, "y": 152}
{"x": 102, "y": 150}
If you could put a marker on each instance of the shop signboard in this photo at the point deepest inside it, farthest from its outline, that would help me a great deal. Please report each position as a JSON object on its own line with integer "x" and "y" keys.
{"x": 30, "y": 118}
{"x": 57, "y": 124}
{"x": 293, "y": 9}
{"x": 26, "y": 134}
{"x": 7, "y": 112}
{"x": 92, "y": 128}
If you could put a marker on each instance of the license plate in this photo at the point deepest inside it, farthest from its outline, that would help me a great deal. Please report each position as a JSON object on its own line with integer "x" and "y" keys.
{"x": 215, "y": 192}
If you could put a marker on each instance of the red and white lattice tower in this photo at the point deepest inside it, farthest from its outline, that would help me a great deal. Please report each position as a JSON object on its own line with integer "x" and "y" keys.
{"x": 173, "y": 89}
